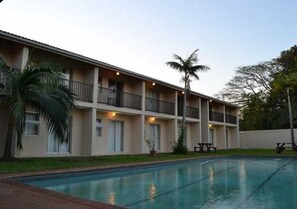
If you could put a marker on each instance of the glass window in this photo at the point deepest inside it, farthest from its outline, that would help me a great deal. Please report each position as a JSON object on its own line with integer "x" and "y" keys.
{"x": 99, "y": 126}
{"x": 31, "y": 124}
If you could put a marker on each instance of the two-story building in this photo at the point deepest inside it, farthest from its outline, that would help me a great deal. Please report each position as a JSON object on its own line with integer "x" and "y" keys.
{"x": 115, "y": 109}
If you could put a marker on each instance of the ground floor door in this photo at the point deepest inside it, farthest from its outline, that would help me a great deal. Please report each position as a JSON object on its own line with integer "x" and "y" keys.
{"x": 211, "y": 136}
{"x": 54, "y": 146}
{"x": 227, "y": 138}
{"x": 155, "y": 135}
{"x": 115, "y": 136}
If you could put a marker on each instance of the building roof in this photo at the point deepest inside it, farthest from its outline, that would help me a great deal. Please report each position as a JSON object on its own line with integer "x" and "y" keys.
{"x": 72, "y": 55}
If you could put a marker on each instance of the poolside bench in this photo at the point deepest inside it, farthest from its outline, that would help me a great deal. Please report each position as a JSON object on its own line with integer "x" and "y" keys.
{"x": 281, "y": 146}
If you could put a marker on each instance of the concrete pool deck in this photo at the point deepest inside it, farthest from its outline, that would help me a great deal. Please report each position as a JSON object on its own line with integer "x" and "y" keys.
{"x": 15, "y": 195}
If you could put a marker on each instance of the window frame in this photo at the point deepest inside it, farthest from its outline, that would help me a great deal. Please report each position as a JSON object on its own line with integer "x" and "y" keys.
{"x": 32, "y": 122}
{"x": 99, "y": 127}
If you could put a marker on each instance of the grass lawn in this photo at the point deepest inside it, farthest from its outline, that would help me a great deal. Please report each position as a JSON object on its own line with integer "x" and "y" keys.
{"x": 52, "y": 163}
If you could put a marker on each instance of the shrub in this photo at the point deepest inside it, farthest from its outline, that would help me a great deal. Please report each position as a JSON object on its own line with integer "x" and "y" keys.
{"x": 179, "y": 147}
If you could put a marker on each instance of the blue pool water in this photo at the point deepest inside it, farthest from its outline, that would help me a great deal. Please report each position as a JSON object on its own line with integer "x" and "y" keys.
{"x": 210, "y": 183}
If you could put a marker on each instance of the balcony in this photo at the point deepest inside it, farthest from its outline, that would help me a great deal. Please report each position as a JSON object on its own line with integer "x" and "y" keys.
{"x": 191, "y": 112}
{"x": 216, "y": 116}
{"x": 118, "y": 98}
{"x": 81, "y": 91}
{"x": 159, "y": 106}
{"x": 231, "y": 119}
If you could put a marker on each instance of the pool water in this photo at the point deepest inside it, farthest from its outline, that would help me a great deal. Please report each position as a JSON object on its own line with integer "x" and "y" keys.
{"x": 210, "y": 183}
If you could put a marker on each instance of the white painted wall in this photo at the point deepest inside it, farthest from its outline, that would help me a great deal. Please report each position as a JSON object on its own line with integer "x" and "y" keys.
{"x": 265, "y": 138}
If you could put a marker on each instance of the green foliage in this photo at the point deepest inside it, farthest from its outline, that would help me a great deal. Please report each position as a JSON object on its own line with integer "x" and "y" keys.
{"x": 179, "y": 147}
{"x": 261, "y": 91}
{"x": 40, "y": 88}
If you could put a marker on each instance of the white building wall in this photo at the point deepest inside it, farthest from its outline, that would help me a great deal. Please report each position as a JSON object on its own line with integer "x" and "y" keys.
{"x": 265, "y": 138}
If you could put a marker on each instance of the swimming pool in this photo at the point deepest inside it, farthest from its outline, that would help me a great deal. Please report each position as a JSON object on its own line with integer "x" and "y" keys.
{"x": 209, "y": 183}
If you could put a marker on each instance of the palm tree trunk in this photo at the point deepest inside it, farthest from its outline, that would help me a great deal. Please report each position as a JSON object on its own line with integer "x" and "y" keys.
{"x": 7, "y": 150}
{"x": 184, "y": 111}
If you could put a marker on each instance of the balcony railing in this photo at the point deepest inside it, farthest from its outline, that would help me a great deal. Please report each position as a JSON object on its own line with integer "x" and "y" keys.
{"x": 3, "y": 80}
{"x": 118, "y": 98}
{"x": 159, "y": 106}
{"x": 230, "y": 119}
{"x": 216, "y": 116}
{"x": 191, "y": 112}
{"x": 81, "y": 91}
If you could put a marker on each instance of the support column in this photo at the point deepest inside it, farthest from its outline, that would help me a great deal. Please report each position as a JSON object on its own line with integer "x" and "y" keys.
{"x": 88, "y": 132}
{"x": 95, "y": 83}
{"x": 22, "y": 58}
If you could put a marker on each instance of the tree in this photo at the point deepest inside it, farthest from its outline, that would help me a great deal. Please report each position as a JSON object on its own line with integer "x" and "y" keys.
{"x": 189, "y": 67}
{"x": 249, "y": 81}
{"x": 287, "y": 80}
{"x": 39, "y": 87}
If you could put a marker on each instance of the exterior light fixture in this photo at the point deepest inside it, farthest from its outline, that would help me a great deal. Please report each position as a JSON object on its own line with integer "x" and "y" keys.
{"x": 113, "y": 114}
{"x": 210, "y": 125}
{"x": 117, "y": 73}
{"x": 183, "y": 92}
{"x": 153, "y": 83}
{"x": 210, "y": 100}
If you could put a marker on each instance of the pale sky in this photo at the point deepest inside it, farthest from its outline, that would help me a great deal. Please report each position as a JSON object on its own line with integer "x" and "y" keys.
{"x": 141, "y": 35}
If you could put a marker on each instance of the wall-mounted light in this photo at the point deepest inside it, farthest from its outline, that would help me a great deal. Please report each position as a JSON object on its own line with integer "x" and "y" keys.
{"x": 152, "y": 119}
{"x": 210, "y": 125}
{"x": 210, "y": 100}
{"x": 117, "y": 73}
{"x": 183, "y": 92}
{"x": 153, "y": 83}
{"x": 113, "y": 114}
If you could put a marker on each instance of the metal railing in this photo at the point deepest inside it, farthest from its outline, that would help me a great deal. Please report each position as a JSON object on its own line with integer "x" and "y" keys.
{"x": 81, "y": 91}
{"x": 230, "y": 119}
{"x": 191, "y": 112}
{"x": 118, "y": 98}
{"x": 3, "y": 80}
{"x": 216, "y": 116}
{"x": 159, "y": 106}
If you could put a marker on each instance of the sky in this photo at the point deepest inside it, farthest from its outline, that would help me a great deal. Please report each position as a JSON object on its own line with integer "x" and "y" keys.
{"x": 141, "y": 35}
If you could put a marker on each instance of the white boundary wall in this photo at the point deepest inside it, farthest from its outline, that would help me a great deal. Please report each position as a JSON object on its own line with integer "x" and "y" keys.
{"x": 265, "y": 138}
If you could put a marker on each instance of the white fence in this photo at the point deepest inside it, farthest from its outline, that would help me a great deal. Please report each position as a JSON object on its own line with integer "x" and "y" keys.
{"x": 265, "y": 138}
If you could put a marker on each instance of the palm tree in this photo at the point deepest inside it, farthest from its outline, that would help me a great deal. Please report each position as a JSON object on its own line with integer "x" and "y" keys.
{"x": 38, "y": 87}
{"x": 189, "y": 67}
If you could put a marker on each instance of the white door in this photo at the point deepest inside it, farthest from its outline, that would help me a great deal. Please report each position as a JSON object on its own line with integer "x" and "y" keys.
{"x": 115, "y": 136}
{"x": 54, "y": 146}
{"x": 211, "y": 136}
{"x": 155, "y": 135}
{"x": 227, "y": 138}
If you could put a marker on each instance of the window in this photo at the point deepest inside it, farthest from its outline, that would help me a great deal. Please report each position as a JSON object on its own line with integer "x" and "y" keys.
{"x": 99, "y": 126}
{"x": 31, "y": 124}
